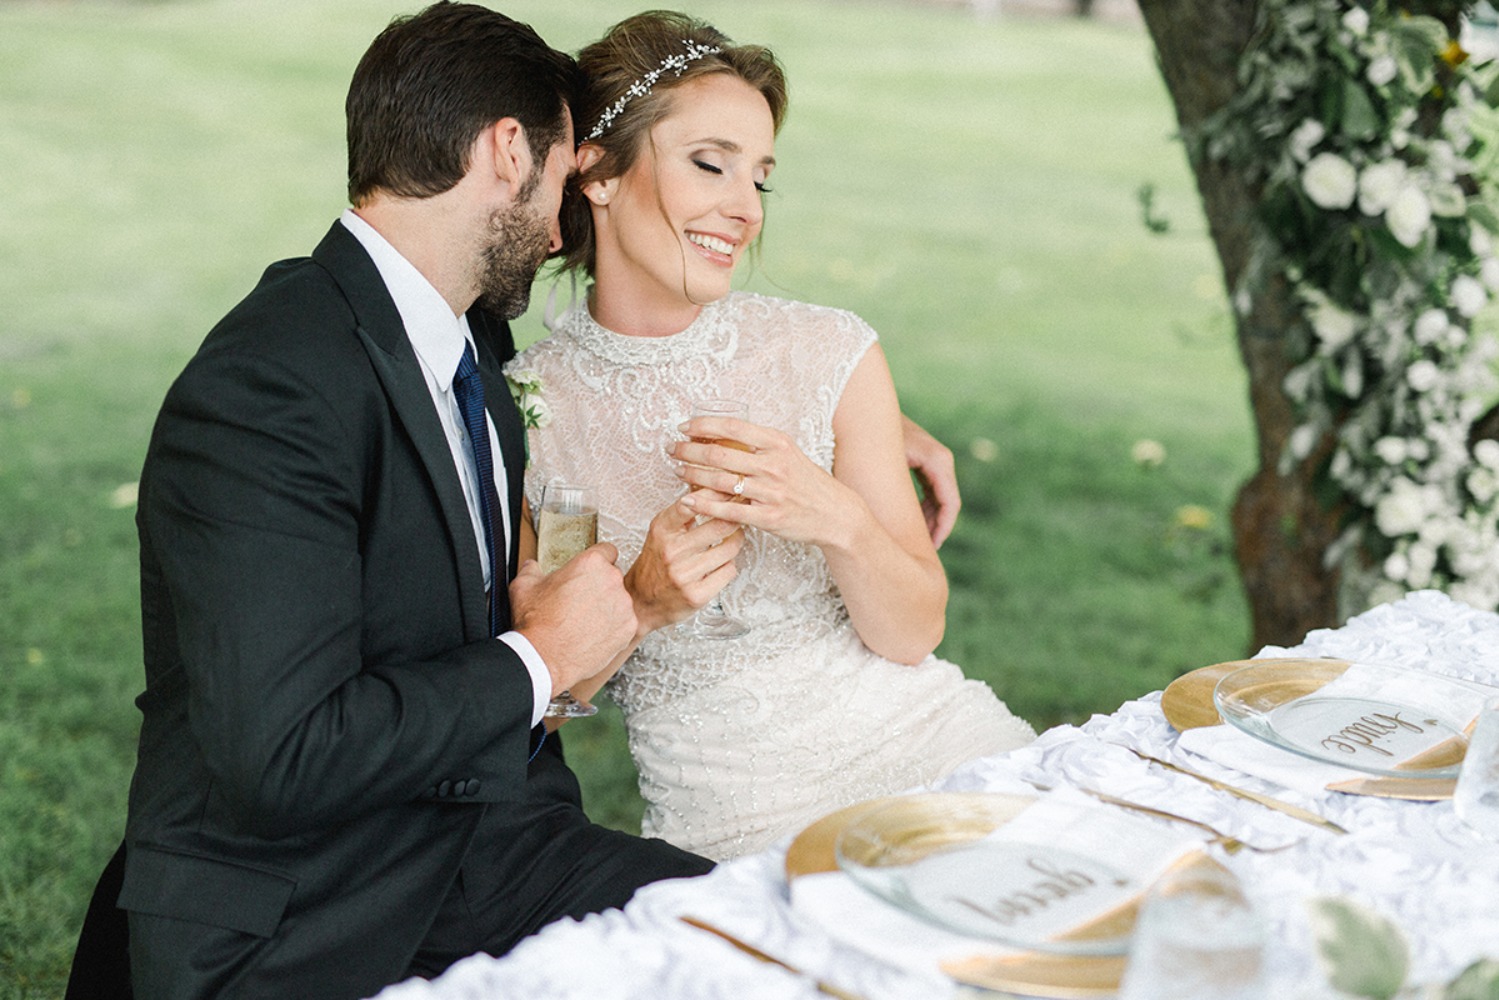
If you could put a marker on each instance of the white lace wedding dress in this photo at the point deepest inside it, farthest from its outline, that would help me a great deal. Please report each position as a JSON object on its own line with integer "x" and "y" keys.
{"x": 741, "y": 741}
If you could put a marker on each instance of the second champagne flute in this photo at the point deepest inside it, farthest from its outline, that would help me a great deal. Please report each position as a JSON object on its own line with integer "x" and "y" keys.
{"x": 713, "y": 622}
{"x": 568, "y": 524}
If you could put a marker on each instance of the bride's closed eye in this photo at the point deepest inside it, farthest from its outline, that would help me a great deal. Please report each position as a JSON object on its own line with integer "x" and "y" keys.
{"x": 760, "y": 186}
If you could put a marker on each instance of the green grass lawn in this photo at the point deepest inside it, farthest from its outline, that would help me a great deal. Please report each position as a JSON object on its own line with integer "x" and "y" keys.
{"x": 969, "y": 187}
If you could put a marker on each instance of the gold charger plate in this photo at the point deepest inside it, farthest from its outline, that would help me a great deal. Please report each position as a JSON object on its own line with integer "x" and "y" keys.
{"x": 1029, "y": 974}
{"x": 1187, "y": 701}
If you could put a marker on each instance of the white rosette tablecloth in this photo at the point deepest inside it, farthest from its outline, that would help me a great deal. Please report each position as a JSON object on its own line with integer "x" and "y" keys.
{"x": 1412, "y": 862}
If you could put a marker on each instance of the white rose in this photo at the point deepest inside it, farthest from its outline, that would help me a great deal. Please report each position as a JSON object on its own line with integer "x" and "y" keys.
{"x": 1378, "y": 185}
{"x": 1391, "y": 450}
{"x": 1488, "y": 273}
{"x": 1409, "y": 215}
{"x": 1441, "y": 159}
{"x": 1483, "y": 484}
{"x": 1486, "y": 451}
{"x": 1423, "y": 375}
{"x": 1468, "y": 296}
{"x": 1455, "y": 125}
{"x": 1306, "y": 136}
{"x": 1423, "y": 559}
{"x": 1330, "y": 181}
{"x": 1302, "y": 439}
{"x": 1401, "y": 511}
{"x": 1334, "y": 326}
{"x": 1430, "y": 325}
{"x": 1382, "y": 70}
{"x": 1357, "y": 21}
{"x": 1480, "y": 242}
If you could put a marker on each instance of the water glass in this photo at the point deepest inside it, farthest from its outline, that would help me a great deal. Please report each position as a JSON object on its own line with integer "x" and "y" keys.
{"x": 1476, "y": 799}
{"x": 1197, "y": 938}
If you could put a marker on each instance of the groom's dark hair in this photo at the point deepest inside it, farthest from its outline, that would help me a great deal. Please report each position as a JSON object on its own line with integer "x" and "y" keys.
{"x": 432, "y": 81}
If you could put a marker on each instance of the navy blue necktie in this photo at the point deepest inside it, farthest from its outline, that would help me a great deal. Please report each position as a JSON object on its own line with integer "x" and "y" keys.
{"x": 469, "y": 389}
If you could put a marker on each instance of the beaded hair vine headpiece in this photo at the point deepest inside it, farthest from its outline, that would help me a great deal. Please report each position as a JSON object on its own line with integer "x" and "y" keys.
{"x": 643, "y": 86}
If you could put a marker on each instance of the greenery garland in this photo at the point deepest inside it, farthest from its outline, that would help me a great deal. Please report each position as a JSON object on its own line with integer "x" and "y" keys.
{"x": 1357, "y": 125}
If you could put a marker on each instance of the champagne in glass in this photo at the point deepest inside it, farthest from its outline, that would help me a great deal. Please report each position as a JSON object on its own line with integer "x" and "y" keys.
{"x": 568, "y": 524}
{"x": 713, "y": 622}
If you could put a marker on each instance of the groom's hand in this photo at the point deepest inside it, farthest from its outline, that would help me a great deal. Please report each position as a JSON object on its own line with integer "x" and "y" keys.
{"x": 932, "y": 463}
{"x": 578, "y": 617}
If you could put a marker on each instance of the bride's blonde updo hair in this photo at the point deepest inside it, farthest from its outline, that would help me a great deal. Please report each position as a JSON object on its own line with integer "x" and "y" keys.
{"x": 629, "y": 76}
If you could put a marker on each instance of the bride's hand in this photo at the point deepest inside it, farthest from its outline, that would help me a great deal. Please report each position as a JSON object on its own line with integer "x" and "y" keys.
{"x": 774, "y": 487}
{"x": 681, "y": 566}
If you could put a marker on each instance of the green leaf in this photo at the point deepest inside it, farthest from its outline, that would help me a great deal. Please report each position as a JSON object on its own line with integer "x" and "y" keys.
{"x": 1484, "y": 216}
{"x": 1421, "y": 30}
{"x": 1360, "y": 120}
{"x": 1362, "y": 953}
{"x": 1447, "y": 200}
{"x": 1417, "y": 43}
{"x": 1479, "y": 981}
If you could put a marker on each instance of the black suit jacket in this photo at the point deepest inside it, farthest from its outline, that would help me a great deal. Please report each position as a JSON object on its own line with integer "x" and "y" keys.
{"x": 326, "y": 718}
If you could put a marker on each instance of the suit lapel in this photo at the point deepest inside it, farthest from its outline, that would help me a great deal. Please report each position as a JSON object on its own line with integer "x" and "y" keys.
{"x": 396, "y": 365}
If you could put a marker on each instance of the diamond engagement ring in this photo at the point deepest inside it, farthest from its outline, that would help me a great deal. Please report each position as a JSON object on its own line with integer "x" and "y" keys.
{"x": 739, "y": 486}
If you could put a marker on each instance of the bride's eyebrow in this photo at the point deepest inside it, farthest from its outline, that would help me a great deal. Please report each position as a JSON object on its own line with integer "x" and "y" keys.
{"x": 730, "y": 146}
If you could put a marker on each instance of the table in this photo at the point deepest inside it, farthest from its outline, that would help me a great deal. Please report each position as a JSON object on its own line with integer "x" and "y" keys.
{"x": 1412, "y": 862}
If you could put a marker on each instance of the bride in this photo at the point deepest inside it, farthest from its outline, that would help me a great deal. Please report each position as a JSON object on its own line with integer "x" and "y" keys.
{"x": 832, "y": 695}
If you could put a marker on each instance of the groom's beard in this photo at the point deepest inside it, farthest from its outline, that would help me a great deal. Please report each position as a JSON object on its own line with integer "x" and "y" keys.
{"x": 519, "y": 242}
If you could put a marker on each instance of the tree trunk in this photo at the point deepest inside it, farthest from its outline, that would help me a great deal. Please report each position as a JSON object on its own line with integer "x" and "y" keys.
{"x": 1282, "y": 529}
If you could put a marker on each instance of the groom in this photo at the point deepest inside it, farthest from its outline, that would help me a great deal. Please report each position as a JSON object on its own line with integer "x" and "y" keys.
{"x": 339, "y": 783}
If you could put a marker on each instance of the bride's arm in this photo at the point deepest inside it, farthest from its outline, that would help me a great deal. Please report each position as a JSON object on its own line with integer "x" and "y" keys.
{"x": 864, "y": 517}
{"x": 884, "y": 562}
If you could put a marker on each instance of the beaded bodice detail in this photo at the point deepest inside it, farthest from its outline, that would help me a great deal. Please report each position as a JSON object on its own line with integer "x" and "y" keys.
{"x": 616, "y": 403}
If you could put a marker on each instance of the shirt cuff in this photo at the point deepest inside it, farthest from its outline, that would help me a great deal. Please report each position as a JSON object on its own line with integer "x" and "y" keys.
{"x": 541, "y": 677}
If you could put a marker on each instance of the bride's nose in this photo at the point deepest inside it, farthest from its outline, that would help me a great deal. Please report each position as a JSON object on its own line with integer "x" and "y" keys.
{"x": 744, "y": 204}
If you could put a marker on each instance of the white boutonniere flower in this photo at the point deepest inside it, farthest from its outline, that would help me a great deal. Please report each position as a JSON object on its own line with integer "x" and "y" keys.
{"x": 525, "y": 388}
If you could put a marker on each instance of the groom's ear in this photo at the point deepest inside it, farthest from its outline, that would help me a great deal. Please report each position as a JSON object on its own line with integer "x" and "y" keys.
{"x": 504, "y": 150}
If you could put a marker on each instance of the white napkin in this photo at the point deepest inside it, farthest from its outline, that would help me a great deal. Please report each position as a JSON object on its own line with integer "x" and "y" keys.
{"x": 1065, "y": 818}
{"x": 1445, "y": 697}
{"x": 1238, "y": 751}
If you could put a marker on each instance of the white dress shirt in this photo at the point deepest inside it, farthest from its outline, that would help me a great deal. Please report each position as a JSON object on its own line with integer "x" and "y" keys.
{"x": 439, "y": 337}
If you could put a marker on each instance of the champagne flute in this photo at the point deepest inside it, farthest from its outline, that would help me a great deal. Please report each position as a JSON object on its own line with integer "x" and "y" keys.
{"x": 568, "y": 524}
{"x": 713, "y": 622}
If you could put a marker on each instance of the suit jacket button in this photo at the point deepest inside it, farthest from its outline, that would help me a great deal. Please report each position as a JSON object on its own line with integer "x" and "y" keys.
{"x": 444, "y": 788}
{"x": 473, "y": 787}
{"x": 432, "y": 792}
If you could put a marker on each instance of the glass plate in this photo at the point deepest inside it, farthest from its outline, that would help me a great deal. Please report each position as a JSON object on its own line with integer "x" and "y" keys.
{"x": 1391, "y": 721}
{"x": 936, "y": 861}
